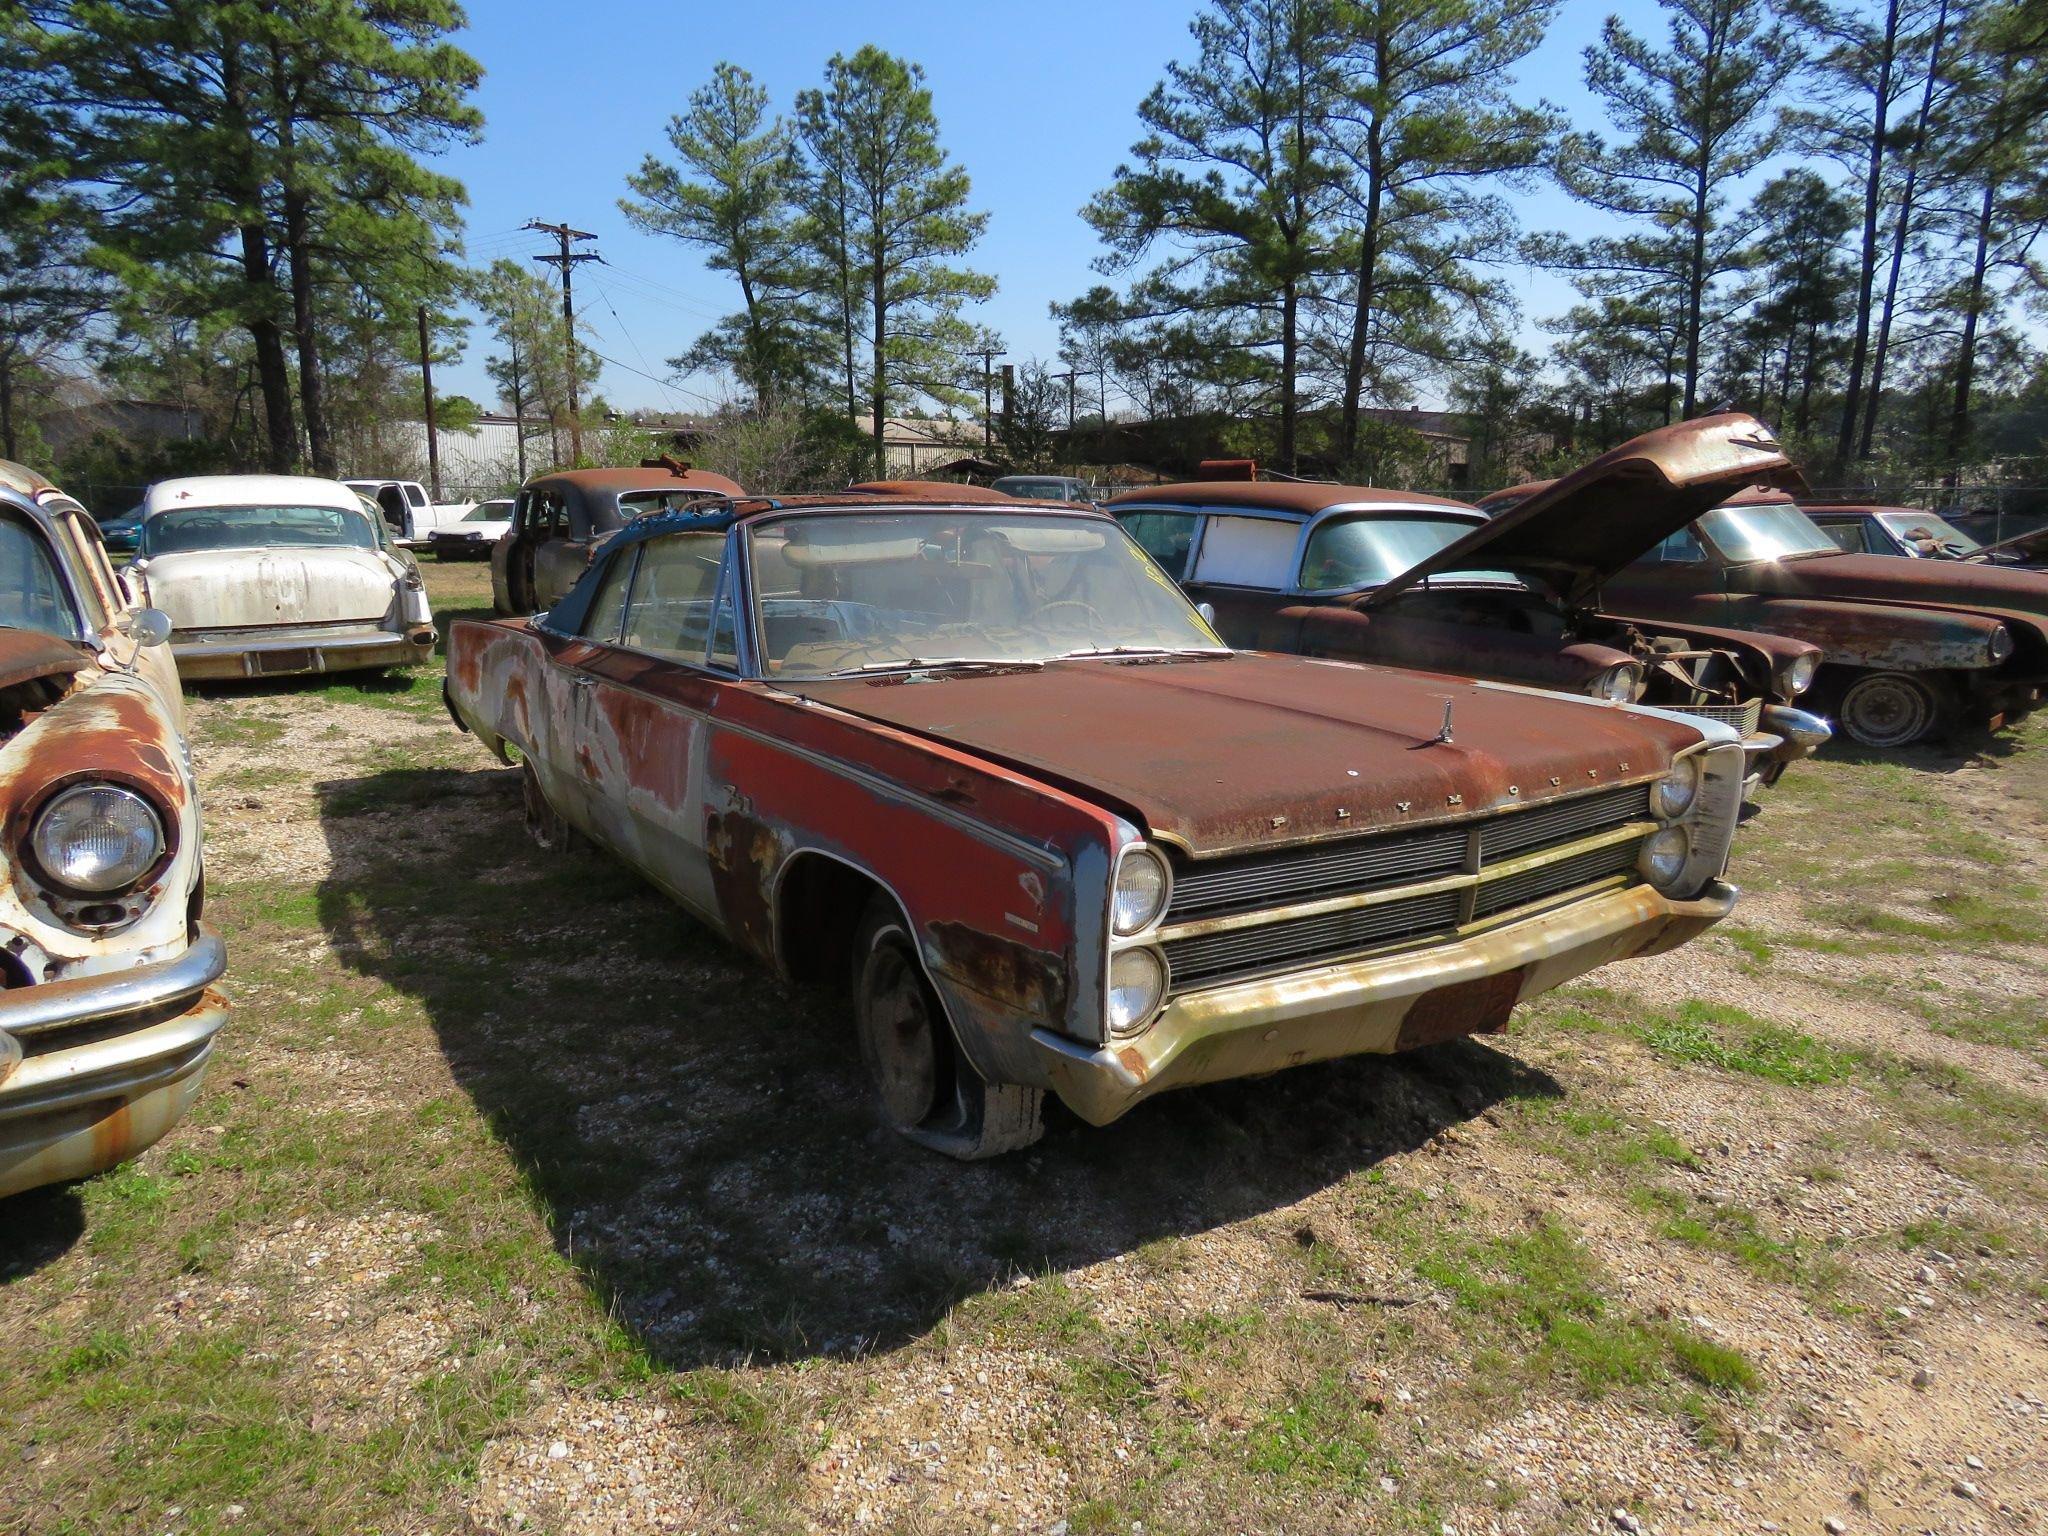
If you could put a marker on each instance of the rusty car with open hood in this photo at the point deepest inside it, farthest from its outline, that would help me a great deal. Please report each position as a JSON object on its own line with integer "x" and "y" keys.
{"x": 987, "y": 767}
{"x": 270, "y": 575}
{"x": 1915, "y": 648}
{"x": 108, "y": 1009}
{"x": 1358, "y": 573}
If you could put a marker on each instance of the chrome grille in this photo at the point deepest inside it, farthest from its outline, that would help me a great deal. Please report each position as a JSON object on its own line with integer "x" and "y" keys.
{"x": 1235, "y": 887}
{"x": 1548, "y": 879}
{"x": 1308, "y": 874}
{"x": 1743, "y": 717}
{"x": 1213, "y": 957}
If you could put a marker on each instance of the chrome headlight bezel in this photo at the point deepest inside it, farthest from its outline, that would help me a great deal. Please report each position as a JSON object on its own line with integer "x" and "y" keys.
{"x": 1798, "y": 674}
{"x": 2000, "y": 645}
{"x": 1621, "y": 683}
{"x": 1664, "y": 855}
{"x": 1142, "y": 872}
{"x": 1132, "y": 1000}
{"x": 49, "y": 862}
{"x": 1673, "y": 796}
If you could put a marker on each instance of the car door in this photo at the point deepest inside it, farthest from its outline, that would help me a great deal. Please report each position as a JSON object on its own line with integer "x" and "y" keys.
{"x": 650, "y": 704}
{"x": 559, "y": 560}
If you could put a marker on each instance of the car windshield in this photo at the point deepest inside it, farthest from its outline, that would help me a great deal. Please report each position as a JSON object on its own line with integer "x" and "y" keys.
{"x": 192, "y": 528}
{"x": 489, "y": 512}
{"x": 1768, "y": 531}
{"x": 32, "y": 594}
{"x": 837, "y": 594}
{"x": 1346, "y": 553}
{"x": 1925, "y": 528}
{"x": 634, "y": 504}
{"x": 1036, "y": 490}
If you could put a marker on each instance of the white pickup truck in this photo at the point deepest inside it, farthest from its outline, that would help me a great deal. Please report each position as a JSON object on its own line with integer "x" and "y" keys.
{"x": 410, "y": 516}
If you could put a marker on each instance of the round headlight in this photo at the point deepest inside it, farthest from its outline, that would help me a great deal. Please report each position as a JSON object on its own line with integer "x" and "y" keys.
{"x": 97, "y": 839}
{"x": 2001, "y": 643}
{"x": 1798, "y": 677}
{"x": 1672, "y": 796}
{"x": 1618, "y": 683}
{"x": 1141, "y": 883}
{"x": 1663, "y": 857}
{"x": 1137, "y": 980}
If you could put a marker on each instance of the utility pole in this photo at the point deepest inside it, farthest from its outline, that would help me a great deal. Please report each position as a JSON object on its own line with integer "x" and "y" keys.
{"x": 427, "y": 384}
{"x": 567, "y": 259}
{"x": 518, "y": 409}
{"x": 988, "y": 356}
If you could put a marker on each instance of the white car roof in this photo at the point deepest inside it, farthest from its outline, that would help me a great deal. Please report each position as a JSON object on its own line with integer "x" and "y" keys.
{"x": 248, "y": 491}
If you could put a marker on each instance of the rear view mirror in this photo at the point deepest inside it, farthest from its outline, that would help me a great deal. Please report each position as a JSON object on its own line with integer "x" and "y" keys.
{"x": 1208, "y": 614}
{"x": 150, "y": 626}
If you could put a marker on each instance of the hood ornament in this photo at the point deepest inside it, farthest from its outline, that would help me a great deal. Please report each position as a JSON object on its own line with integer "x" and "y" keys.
{"x": 1443, "y": 732}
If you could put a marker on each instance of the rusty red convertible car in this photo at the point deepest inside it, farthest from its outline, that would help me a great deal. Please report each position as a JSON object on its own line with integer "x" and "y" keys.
{"x": 987, "y": 767}
{"x": 1358, "y": 573}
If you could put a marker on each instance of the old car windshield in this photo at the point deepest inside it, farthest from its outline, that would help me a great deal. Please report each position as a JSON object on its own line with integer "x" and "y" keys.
{"x": 32, "y": 593}
{"x": 1926, "y": 528}
{"x": 634, "y": 504}
{"x": 195, "y": 528}
{"x": 1769, "y": 531}
{"x": 1346, "y": 553}
{"x": 843, "y": 593}
{"x": 489, "y": 512}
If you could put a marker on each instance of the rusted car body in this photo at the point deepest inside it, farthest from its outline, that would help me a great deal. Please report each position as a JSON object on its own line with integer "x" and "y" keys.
{"x": 559, "y": 518}
{"x": 988, "y": 765}
{"x": 1914, "y": 647}
{"x": 108, "y": 1009}
{"x": 272, "y": 575}
{"x": 944, "y": 490}
{"x": 1357, "y": 573}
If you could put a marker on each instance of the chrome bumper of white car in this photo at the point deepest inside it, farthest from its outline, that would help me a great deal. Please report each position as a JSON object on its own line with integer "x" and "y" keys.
{"x": 296, "y": 648}
{"x": 95, "y": 1069}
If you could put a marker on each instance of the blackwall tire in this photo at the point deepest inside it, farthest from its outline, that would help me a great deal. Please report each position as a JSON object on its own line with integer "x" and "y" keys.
{"x": 544, "y": 824}
{"x": 1891, "y": 709}
{"x": 927, "y": 1089}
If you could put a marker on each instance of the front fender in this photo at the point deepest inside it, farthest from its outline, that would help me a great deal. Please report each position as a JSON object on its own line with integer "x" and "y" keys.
{"x": 1460, "y": 650}
{"x": 1883, "y": 636}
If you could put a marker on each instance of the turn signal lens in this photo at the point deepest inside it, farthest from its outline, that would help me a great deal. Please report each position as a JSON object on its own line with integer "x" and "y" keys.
{"x": 1663, "y": 857}
{"x": 1673, "y": 795}
{"x": 1141, "y": 885}
{"x": 97, "y": 839}
{"x": 1137, "y": 982}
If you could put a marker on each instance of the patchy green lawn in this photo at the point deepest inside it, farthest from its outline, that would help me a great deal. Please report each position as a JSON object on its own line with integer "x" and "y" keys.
{"x": 515, "y": 1202}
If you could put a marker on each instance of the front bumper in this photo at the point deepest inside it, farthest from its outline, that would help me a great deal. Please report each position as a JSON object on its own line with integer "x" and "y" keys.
{"x": 1370, "y": 1005}
{"x": 95, "y": 1069}
{"x": 1784, "y": 736}
{"x": 298, "y": 648}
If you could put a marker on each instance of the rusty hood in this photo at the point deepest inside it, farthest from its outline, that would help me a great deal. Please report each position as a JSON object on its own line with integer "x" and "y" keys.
{"x": 1577, "y": 531}
{"x": 1252, "y": 750}
{"x": 29, "y": 654}
{"x": 2003, "y": 591}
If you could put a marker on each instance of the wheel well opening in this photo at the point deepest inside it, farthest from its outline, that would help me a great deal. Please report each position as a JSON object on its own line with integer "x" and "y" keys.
{"x": 818, "y": 914}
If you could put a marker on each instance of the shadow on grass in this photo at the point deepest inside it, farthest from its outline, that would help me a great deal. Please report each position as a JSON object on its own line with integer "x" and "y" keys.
{"x": 700, "y": 1134}
{"x": 38, "y": 1228}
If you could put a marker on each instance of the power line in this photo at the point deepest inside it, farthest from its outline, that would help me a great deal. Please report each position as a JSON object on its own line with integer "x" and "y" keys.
{"x": 625, "y": 332}
{"x": 567, "y": 260}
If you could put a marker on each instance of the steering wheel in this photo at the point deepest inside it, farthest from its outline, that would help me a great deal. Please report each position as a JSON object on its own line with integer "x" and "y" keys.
{"x": 1088, "y": 610}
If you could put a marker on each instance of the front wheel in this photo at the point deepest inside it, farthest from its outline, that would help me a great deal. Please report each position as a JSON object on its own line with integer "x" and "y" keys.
{"x": 928, "y": 1090}
{"x": 1893, "y": 709}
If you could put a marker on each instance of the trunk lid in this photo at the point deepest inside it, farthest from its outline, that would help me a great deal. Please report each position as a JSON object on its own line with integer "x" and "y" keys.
{"x": 242, "y": 589}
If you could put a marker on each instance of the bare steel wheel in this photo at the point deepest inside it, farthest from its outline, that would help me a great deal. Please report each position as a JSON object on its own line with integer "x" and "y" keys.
{"x": 544, "y": 824}
{"x": 1890, "y": 709}
{"x": 928, "y": 1090}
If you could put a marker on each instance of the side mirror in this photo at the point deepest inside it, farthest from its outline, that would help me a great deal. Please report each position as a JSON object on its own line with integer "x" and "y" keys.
{"x": 1208, "y": 613}
{"x": 150, "y": 627}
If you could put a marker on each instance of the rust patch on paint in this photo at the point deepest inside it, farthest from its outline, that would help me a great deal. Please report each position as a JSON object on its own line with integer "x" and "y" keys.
{"x": 1025, "y": 980}
{"x": 744, "y": 856}
{"x": 1477, "y": 1007}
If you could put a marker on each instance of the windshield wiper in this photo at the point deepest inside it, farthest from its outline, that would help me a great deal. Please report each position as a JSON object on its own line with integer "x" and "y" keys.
{"x": 1144, "y": 650}
{"x": 945, "y": 663}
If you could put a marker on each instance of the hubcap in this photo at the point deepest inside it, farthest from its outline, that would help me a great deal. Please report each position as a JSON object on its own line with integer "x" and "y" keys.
{"x": 897, "y": 1036}
{"x": 1887, "y": 711}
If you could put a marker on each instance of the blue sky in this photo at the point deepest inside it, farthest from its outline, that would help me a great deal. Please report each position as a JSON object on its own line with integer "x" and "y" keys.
{"x": 1038, "y": 101}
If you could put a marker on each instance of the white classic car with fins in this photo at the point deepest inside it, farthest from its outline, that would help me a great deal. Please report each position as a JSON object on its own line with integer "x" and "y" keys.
{"x": 264, "y": 575}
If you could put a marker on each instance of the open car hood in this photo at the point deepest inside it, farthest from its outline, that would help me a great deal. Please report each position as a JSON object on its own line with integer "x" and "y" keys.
{"x": 1577, "y": 531}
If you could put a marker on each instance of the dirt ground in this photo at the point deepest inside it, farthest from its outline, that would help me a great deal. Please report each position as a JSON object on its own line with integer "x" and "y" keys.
{"x": 517, "y": 1203}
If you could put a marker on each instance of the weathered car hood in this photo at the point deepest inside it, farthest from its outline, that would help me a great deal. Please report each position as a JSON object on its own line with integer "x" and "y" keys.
{"x": 2001, "y": 590}
{"x": 28, "y": 654}
{"x": 236, "y": 588}
{"x": 1577, "y": 531}
{"x": 1253, "y": 750}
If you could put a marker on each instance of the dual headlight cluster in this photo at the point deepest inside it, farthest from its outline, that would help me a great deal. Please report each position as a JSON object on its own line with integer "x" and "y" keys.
{"x": 1137, "y": 972}
{"x": 1673, "y": 799}
{"x": 97, "y": 840}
